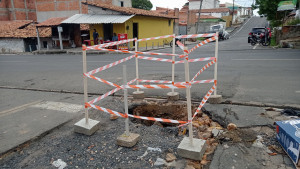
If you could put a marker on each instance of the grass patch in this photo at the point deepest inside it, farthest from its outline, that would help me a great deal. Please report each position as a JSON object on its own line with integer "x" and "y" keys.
{"x": 201, "y": 38}
{"x": 273, "y": 41}
{"x": 294, "y": 22}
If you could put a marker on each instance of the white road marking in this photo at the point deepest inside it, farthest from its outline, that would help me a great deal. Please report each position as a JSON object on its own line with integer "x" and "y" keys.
{"x": 60, "y": 106}
{"x": 19, "y": 108}
{"x": 255, "y": 46}
{"x": 241, "y": 28}
{"x": 15, "y": 61}
{"x": 269, "y": 59}
{"x": 297, "y": 91}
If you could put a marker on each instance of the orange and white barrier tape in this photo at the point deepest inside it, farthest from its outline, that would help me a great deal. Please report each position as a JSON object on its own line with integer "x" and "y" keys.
{"x": 195, "y": 82}
{"x": 202, "y": 43}
{"x": 197, "y": 60}
{"x": 103, "y": 81}
{"x": 205, "y": 98}
{"x": 153, "y": 81}
{"x": 109, "y": 44}
{"x": 133, "y": 52}
{"x": 106, "y": 110}
{"x": 109, "y": 93}
{"x": 157, "y": 119}
{"x": 204, "y": 67}
{"x": 110, "y": 65}
{"x": 182, "y": 46}
{"x": 159, "y": 37}
{"x": 155, "y": 86}
{"x": 155, "y": 59}
{"x": 196, "y": 35}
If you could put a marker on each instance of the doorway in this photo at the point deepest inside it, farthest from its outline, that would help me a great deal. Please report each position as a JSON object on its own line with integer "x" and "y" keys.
{"x": 107, "y": 31}
{"x": 135, "y": 32}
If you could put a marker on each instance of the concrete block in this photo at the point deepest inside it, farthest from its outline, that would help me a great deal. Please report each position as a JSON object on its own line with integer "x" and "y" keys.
{"x": 173, "y": 96}
{"x": 128, "y": 140}
{"x": 87, "y": 129}
{"x": 138, "y": 95}
{"x": 193, "y": 151}
{"x": 215, "y": 99}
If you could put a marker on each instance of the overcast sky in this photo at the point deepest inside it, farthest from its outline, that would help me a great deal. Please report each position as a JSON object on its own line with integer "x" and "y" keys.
{"x": 179, "y": 3}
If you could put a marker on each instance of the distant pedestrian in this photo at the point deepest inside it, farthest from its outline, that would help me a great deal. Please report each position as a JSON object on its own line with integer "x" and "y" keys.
{"x": 115, "y": 37}
{"x": 95, "y": 36}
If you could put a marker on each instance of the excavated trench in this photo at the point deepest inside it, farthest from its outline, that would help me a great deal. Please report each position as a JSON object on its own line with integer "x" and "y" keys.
{"x": 173, "y": 111}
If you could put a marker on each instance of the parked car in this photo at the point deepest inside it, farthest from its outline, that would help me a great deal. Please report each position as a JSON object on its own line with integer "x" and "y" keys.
{"x": 256, "y": 31}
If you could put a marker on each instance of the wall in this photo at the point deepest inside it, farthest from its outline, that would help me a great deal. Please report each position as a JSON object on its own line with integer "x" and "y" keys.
{"x": 150, "y": 27}
{"x": 228, "y": 20}
{"x": 206, "y": 4}
{"x": 287, "y": 32}
{"x": 18, "y": 10}
{"x": 127, "y": 3}
{"x": 11, "y": 45}
{"x": 99, "y": 11}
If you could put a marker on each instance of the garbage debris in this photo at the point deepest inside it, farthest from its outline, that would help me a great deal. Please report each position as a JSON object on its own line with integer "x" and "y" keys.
{"x": 258, "y": 142}
{"x": 231, "y": 126}
{"x": 59, "y": 164}
{"x": 153, "y": 149}
{"x": 288, "y": 135}
{"x": 159, "y": 162}
{"x": 291, "y": 112}
{"x": 170, "y": 157}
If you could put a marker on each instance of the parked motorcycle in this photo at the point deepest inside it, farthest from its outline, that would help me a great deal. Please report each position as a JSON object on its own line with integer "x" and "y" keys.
{"x": 171, "y": 43}
{"x": 260, "y": 39}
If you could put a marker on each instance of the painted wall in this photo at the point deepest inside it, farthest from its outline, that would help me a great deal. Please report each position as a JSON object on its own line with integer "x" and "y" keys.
{"x": 147, "y": 27}
{"x": 11, "y": 45}
{"x": 150, "y": 27}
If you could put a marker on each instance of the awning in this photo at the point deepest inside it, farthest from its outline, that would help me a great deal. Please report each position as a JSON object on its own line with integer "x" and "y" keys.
{"x": 96, "y": 19}
{"x": 286, "y": 5}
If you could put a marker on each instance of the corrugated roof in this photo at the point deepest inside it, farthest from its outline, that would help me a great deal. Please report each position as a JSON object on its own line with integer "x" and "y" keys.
{"x": 129, "y": 11}
{"x": 97, "y": 19}
{"x": 52, "y": 22}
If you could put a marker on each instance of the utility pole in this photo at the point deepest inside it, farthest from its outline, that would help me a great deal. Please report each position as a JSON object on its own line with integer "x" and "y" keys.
{"x": 199, "y": 14}
{"x": 232, "y": 12}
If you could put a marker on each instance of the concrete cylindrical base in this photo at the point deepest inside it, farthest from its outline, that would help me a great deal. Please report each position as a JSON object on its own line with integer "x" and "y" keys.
{"x": 173, "y": 96}
{"x": 215, "y": 99}
{"x": 138, "y": 95}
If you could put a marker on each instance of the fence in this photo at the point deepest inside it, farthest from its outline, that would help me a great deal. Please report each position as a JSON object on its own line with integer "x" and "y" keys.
{"x": 160, "y": 84}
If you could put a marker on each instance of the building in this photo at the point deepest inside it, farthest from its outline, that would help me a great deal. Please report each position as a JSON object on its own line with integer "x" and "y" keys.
{"x": 41, "y": 10}
{"x": 136, "y": 23}
{"x": 20, "y": 36}
{"x": 206, "y": 4}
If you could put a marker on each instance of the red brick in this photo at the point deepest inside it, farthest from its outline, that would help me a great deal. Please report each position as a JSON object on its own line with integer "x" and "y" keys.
{"x": 45, "y": 7}
{"x": 62, "y": 6}
{"x": 74, "y": 5}
{"x": 20, "y": 15}
{"x": 3, "y": 4}
{"x": 19, "y": 4}
{"x": 32, "y": 16}
{"x": 30, "y": 4}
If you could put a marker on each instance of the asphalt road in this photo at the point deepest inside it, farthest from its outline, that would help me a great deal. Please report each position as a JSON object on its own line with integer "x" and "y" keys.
{"x": 245, "y": 74}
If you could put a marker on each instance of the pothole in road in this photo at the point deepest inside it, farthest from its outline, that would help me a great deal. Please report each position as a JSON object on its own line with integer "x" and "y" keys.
{"x": 173, "y": 111}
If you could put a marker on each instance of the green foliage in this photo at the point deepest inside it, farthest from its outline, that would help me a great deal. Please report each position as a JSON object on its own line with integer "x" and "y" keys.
{"x": 294, "y": 22}
{"x": 273, "y": 41}
{"x": 142, "y": 4}
{"x": 269, "y": 8}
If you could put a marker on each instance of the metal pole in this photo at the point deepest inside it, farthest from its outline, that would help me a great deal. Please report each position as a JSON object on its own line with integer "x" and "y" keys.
{"x": 136, "y": 64}
{"x": 125, "y": 100}
{"x": 216, "y": 64}
{"x": 38, "y": 38}
{"x": 199, "y": 14}
{"x": 85, "y": 83}
{"x": 60, "y": 39}
{"x": 188, "y": 96}
{"x": 173, "y": 64}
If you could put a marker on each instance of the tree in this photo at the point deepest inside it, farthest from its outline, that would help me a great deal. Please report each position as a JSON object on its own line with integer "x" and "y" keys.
{"x": 142, "y": 4}
{"x": 269, "y": 9}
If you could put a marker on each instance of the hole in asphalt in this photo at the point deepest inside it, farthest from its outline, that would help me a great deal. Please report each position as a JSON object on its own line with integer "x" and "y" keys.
{"x": 173, "y": 111}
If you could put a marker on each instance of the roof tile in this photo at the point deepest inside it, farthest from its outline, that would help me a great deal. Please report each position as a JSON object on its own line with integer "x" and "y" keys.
{"x": 130, "y": 11}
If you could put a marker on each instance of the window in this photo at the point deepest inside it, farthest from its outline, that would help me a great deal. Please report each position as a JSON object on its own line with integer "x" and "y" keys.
{"x": 122, "y": 3}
